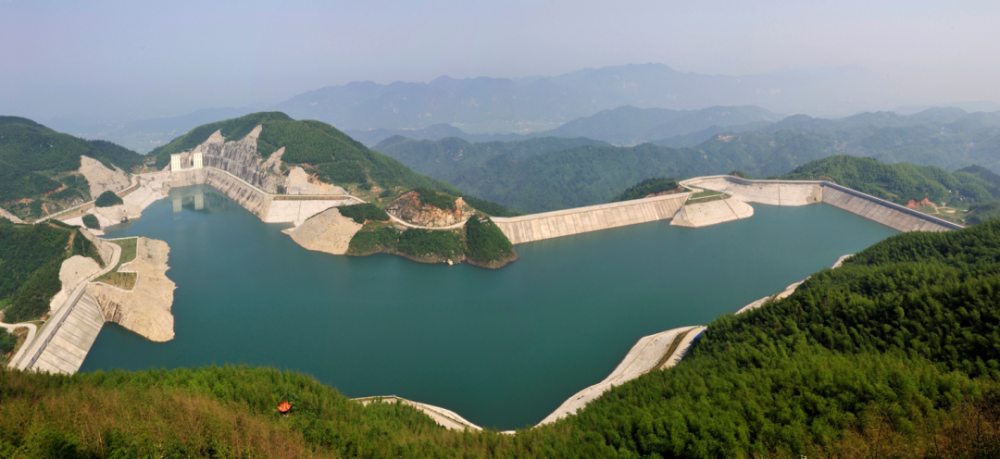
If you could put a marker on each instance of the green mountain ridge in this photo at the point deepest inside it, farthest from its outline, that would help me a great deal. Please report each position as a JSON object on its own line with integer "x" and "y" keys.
{"x": 37, "y": 162}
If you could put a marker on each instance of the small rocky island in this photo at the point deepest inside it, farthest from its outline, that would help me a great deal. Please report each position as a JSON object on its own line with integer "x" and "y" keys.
{"x": 422, "y": 225}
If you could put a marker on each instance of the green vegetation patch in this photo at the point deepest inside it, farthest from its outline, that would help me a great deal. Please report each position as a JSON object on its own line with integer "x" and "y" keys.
{"x": 647, "y": 187}
{"x": 430, "y": 246}
{"x": 125, "y": 281}
{"x": 8, "y": 341}
{"x": 108, "y": 199}
{"x": 362, "y": 213}
{"x": 485, "y": 243}
{"x": 373, "y": 238}
{"x": 91, "y": 221}
{"x": 979, "y": 213}
{"x": 30, "y": 258}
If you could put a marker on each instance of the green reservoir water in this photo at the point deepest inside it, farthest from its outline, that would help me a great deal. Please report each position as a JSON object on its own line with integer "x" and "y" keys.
{"x": 502, "y": 348}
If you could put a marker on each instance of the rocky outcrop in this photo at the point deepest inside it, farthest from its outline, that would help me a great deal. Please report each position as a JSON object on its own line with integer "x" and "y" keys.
{"x": 250, "y": 198}
{"x": 410, "y": 209}
{"x": 101, "y": 178}
{"x": 327, "y": 232}
{"x": 146, "y": 308}
{"x": 241, "y": 159}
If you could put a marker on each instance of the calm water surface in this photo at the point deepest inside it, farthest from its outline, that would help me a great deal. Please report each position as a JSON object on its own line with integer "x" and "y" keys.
{"x": 502, "y": 348}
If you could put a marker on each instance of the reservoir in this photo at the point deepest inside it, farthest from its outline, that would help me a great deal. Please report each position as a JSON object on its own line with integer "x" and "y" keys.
{"x": 501, "y": 348}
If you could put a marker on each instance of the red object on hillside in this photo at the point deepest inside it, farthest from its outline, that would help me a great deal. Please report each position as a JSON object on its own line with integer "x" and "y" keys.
{"x": 284, "y": 407}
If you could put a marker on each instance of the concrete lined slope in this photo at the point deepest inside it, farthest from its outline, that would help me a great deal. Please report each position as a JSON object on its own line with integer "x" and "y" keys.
{"x": 549, "y": 225}
{"x": 894, "y": 216}
{"x": 654, "y": 352}
{"x": 68, "y": 346}
{"x": 802, "y": 192}
{"x": 697, "y": 215}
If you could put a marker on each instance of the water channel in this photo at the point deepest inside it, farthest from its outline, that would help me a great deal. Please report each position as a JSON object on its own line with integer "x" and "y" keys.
{"x": 502, "y": 348}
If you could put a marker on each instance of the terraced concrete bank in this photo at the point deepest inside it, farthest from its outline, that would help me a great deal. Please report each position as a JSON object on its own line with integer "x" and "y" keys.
{"x": 800, "y": 193}
{"x": 536, "y": 227}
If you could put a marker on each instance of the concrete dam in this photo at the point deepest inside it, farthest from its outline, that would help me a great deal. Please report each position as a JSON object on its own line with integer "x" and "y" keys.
{"x": 801, "y": 193}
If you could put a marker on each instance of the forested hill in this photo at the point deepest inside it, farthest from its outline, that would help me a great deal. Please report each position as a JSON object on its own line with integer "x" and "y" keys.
{"x": 894, "y": 354}
{"x": 321, "y": 150}
{"x": 533, "y": 178}
{"x": 38, "y": 166}
{"x": 536, "y": 177}
{"x": 30, "y": 259}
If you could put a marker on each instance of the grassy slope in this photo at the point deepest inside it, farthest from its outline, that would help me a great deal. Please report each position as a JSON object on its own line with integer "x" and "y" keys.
{"x": 896, "y": 351}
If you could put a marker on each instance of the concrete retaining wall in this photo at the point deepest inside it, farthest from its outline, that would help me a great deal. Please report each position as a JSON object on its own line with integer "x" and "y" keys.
{"x": 549, "y": 225}
{"x": 889, "y": 214}
{"x": 792, "y": 192}
{"x": 68, "y": 346}
{"x": 287, "y": 209}
{"x": 697, "y": 215}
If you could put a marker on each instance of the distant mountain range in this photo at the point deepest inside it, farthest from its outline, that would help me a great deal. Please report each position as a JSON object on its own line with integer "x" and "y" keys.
{"x": 506, "y": 108}
{"x": 498, "y": 105}
{"x": 550, "y": 173}
{"x": 622, "y": 126}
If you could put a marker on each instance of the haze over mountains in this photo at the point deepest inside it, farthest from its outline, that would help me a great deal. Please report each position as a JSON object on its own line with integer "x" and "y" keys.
{"x": 506, "y": 107}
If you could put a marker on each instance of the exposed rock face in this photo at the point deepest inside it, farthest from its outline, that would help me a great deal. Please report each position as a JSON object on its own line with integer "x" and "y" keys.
{"x": 327, "y": 232}
{"x": 299, "y": 182}
{"x": 72, "y": 271}
{"x": 248, "y": 197}
{"x": 101, "y": 178}
{"x": 410, "y": 209}
{"x": 146, "y": 309}
{"x": 241, "y": 159}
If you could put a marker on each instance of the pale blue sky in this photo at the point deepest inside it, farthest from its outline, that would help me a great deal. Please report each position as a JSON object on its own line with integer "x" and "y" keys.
{"x": 129, "y": 58}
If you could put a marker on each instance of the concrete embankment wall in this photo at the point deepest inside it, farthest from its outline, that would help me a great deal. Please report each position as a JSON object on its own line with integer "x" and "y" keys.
{"x": 803, "y": 192}
{"x": 696, "y": 215}
{"x": 269, "y": 208}
{"x": 887, "y": 213}
{"x": 68, "y": 346}
{"x": 536, "y": 227}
